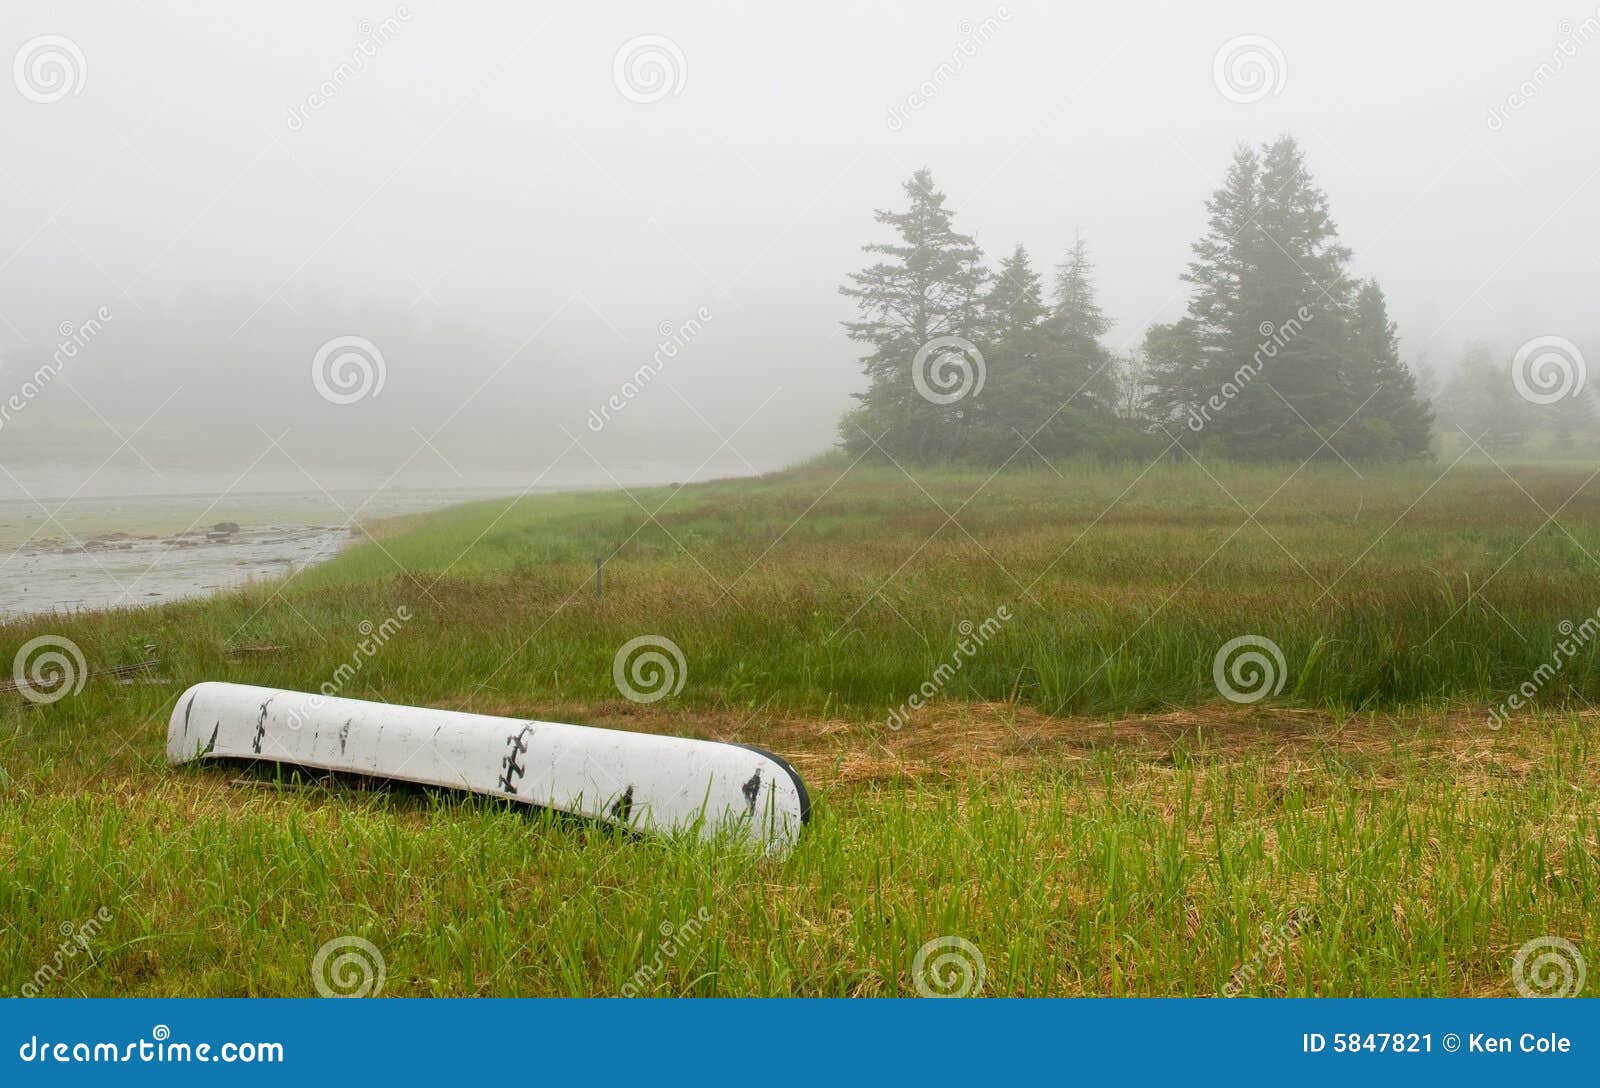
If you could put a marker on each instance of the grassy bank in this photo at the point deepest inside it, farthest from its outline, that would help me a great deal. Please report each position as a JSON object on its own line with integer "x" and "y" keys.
{"x": 1077, "y": 801}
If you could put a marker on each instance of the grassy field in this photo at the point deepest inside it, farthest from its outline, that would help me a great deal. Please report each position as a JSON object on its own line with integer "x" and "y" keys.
{"x": 1076, "y": 799}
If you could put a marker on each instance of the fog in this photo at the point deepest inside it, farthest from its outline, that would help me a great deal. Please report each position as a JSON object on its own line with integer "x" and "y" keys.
{"x": 518, "y": 219}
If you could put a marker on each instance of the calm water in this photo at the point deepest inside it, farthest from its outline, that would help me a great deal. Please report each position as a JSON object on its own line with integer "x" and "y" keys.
{"x": 143, "y": 549}
{"x": 129, "y": 545}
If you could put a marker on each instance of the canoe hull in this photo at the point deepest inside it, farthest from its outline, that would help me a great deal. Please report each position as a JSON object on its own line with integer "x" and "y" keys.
{"x": 651, "y": 784}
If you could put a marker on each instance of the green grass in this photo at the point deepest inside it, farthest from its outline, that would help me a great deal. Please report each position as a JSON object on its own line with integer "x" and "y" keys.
{"x": 1078, "y": 802}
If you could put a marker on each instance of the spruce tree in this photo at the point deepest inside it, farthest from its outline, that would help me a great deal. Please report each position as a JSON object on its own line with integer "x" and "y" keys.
{"x": 927, "y": 284}
{"x": 1397, "y": 421}
{"x": 1076, "y": 325}
{"x": 1268, "y": 364}
{"x": 1302, "y": 294}
{"x": 1570, "y": 422}
{"x": 1480, "y": 401}
{"x": 1017, "y": 395}
{"x": 1077, "y": 310}
{"x": 1193, "y": 362}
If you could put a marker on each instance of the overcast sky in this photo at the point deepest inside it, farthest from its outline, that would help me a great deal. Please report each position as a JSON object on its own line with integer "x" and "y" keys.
{"x": 512, "y": 200}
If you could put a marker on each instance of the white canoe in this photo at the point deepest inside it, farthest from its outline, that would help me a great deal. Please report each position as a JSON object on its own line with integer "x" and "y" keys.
{"x": 655, "y": 784}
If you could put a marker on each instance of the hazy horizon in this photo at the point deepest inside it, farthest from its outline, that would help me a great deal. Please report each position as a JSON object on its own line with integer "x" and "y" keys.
{"x": 518, "y": 208}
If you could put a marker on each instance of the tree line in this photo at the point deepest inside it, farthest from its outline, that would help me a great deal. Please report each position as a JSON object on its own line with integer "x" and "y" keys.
{"x": 1282, "y": 354}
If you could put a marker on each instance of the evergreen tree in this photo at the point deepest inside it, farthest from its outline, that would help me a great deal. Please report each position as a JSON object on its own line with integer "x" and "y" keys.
{"x": 1479, "y": 401}
{"x": 1077, "y": 310}
{"x": 927, "y": 284}
{"x": 1570, "y": 422}
{"x": 1266, "y": 365}
{"x": 1178, "y": 381}
{"x": 1396, "y": 421}
{"x": 1300, "y": 292}
{"x": 1018, "y": 395}
{"x": 1195, "y": 363}
{"x": 1076, "y": 325}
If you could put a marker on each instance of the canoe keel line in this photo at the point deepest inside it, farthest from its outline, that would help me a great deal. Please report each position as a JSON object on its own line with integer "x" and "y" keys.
{"x": 651, "y": 784}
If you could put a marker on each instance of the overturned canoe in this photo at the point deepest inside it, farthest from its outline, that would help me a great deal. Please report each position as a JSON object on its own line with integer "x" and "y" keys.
{"x": 660, "y": 785}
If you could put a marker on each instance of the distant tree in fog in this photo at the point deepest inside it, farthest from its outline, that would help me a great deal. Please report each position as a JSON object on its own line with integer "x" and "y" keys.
{"x": 1480, "y": 401}
{"x": 1280, "y": 349}
{"x": 926, "y": 284}
{"x": 1282, "y": 354}
{"x": 1396, "y": 420}
{"x": 1022, "y": 378}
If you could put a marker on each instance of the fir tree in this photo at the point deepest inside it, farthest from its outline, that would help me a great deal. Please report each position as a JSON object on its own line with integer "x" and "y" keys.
{"x": 1076, "y": 325}
{"x": 927, "y": 284}
{"x": 1480, "y": 402}
{"x": 1266, "y": 364}
{"x": 1017, "y": 395}
{"x": 1300, "y": 291}
{"x": 1396, "y": 421}
{"x": 1570, "y": 422}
